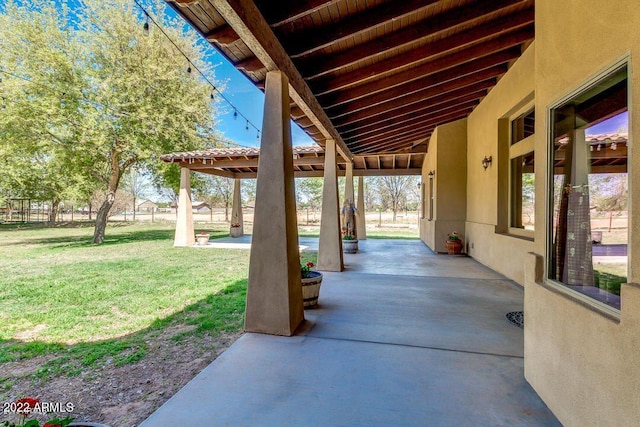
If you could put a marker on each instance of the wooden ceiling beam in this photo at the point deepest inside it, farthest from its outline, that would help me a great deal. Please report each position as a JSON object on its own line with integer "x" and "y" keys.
{"x": 250, "y": 65}
{"x": 223, "y": 35}
{"x": 246, "y": 20}
{"x": 432, "y": 120}
{"x": 409, "y": 119}
{"x": 315, "y": 67}
{"x": 420, "y": 77}
{"x": 418, "y": 100}
{"x": 308, "y": 41}
{"x": 384, "y": 146}
{"x": 483, "y": 69}
{"x": 287, "y": 12}
{"x": 434, "y": 50}
{"x": 432, "y": 104}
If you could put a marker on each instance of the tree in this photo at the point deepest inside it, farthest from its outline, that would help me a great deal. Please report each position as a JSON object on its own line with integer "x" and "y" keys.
{"x": 102, "y": 93}
{"x": 394, "y": 188}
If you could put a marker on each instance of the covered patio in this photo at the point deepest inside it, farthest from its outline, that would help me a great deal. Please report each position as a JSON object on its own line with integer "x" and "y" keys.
{"x": 464, "y": 84}
{"x": 401, "y": 337}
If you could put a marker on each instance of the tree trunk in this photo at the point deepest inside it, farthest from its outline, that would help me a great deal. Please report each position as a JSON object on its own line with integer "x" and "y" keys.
{"x": 103, "y": 212}
{"x": 53, "y": 212}
{"x": 89, "y": 211}
{"x": 226, "y": 210}
{"x": 101, "y": 218}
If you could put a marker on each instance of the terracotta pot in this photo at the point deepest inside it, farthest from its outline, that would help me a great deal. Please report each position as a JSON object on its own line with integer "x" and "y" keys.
{"x": 311, "y": 288}
{"x": 453, "y": 246}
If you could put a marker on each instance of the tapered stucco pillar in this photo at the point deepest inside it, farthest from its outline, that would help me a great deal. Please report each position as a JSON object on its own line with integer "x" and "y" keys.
{"x": 348, "y": 183}
{"x": 237, "y": 224}
{"x": 184, "y": 221}
{"x": 330, "y": 245}
{"x": 361, "y": 227}
{"x": 274, "y": 294}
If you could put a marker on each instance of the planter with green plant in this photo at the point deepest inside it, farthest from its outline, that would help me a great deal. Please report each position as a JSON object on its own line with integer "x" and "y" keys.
{"x": 311, "y": 282}
{"x": 454, "y": 243}
{"x": 349, "y": 244}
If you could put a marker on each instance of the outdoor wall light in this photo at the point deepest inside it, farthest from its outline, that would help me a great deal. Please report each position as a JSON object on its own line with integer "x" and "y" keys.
{"x": 486, "y": 162}
{"x": 431, "y": 174}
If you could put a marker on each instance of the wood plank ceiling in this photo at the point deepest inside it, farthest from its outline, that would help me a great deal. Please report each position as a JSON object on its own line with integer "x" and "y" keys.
{"x": 382, "y": 73}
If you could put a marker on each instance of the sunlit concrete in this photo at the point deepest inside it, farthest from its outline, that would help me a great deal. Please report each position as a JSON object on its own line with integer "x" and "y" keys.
{"x": 402, "y": 337}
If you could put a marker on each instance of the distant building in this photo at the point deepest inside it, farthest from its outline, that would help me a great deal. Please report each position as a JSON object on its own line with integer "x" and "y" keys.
{"x": 147, "y": 206}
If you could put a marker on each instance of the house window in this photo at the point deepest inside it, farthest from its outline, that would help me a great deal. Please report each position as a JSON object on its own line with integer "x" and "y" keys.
{"x": 431, "y": 196}
{"x": 521, "y": 174}
{"x": 589, "y": 190}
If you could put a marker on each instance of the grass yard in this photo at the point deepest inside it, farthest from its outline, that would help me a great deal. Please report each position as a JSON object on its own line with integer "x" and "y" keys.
{"x": 69, "y": 308}
{"x": 59, "y": 291}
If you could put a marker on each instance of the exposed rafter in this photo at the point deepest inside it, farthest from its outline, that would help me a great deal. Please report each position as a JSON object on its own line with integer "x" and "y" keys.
{"x": 243, "y": 16}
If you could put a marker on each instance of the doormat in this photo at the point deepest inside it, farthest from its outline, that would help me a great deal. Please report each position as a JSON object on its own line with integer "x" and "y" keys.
{"x": 517, "y": 318}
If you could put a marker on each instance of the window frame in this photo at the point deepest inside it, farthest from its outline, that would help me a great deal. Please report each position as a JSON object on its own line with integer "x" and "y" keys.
{"x": 586, "y": 301}
{"x": 520, "y": 148}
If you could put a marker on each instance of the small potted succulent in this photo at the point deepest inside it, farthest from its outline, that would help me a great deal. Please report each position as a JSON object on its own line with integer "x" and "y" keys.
{"x": 311, "y": 281}
{"x": 453, "y": 243}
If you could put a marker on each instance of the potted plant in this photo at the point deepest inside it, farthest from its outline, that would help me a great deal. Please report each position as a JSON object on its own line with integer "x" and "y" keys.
{"x": 311, "y": 281}
{"x": 202, "y": 238}
{"x": 235, "y": 230}
{"x": 454, "y": 243}
{"x": 349, "y": 244}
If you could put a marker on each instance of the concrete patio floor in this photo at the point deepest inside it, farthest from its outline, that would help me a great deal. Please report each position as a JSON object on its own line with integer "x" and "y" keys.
{"x": 403, "y": 337}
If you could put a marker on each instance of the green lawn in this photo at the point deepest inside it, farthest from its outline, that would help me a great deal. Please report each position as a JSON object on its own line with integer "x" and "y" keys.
{"x": 81, "y": 304}
{"x": 63, "y": 295}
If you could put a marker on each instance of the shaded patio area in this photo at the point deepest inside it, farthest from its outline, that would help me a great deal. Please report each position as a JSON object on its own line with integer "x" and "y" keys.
{"x": 402, "y": 337}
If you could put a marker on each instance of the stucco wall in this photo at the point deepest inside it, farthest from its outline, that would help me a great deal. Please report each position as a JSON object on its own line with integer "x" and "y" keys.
{"x": 446, "y": 157}
{"x": 505, "y": 254}
{"x": 582, "y": 363}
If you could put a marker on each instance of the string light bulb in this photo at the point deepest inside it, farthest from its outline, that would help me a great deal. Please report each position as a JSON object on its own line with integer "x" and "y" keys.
{"x": 235, "y": 114}
{"x": 146, "y": 27}
{"x": 246, "y": 127}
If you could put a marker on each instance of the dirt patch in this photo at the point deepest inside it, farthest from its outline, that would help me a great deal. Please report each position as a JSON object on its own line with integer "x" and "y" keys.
{"x": 119, "y": 395}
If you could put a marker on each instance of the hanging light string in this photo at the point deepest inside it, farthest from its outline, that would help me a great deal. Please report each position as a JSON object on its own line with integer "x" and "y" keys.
{"x": 236, "y": 112}
{"x": 96, "y": 104}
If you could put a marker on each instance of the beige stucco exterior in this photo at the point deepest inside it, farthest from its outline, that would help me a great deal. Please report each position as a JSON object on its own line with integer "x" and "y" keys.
{"x": 581, "y": 362}
{"x": 487, "y": 201}
{"x": 446, "y": 156}
{"x": 579, "y": 358}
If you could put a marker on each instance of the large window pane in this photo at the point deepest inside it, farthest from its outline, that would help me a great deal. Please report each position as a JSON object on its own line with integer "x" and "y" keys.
{"x": 590, "y": 192}
{"x": 523, "y": 192}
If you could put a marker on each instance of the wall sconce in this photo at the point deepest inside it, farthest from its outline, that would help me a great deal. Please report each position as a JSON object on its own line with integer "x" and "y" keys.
{"x": 431, "y": 174}
{"x": 486, "y": 162}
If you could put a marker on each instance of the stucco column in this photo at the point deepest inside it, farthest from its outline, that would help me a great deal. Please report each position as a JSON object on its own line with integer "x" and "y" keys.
{"x": 274, "y": 294}
{"x": 361, "y": 227}
{"x": 236, "y": 211}
{"x": 330, "y": 245}
{"x": 184, "y": 221}
{"x": 348, "y": 183}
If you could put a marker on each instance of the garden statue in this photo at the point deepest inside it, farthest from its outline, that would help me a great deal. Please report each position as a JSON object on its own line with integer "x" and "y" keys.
{"x": 349, "y": 219}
